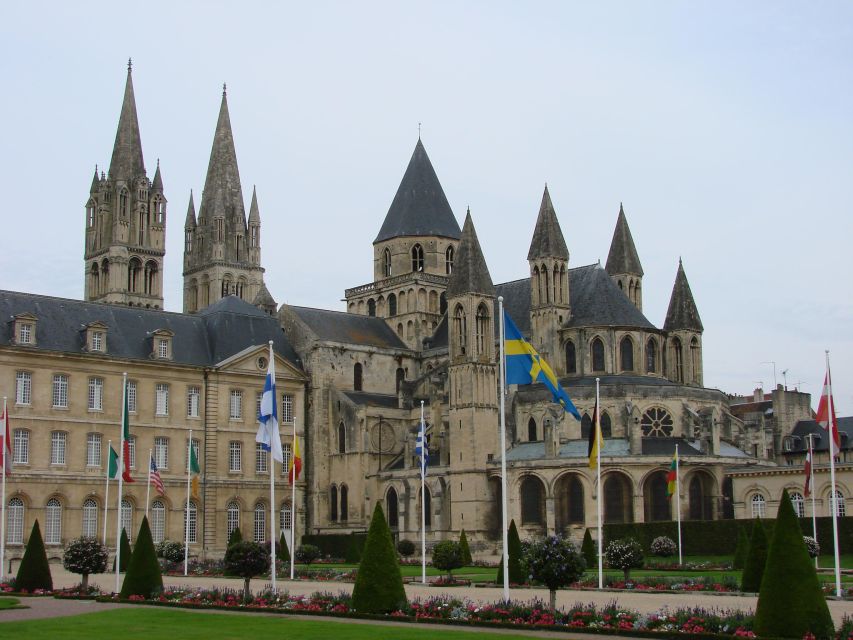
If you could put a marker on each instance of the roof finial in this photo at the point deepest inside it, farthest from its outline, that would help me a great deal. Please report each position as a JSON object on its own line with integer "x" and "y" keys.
{"x": 419, "y": 131}
{"x": 224, "y": 89}
{"x": 158, "y": 163}
{"x": 129, "y": 65}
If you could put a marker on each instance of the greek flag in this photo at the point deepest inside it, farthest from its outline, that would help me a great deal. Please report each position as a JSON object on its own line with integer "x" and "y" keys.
{"x": 421, "y": 448}
{"x": 268, "y": 434}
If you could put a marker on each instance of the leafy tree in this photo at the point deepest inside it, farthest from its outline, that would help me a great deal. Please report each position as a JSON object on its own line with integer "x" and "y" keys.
{"x": 790, "y": 602}
{"x": 447, "y": 556}
{"x": 143, "y": 577}
{"x": 625, "y": 554}
{"x": 307, "y": 553}
{"x": 124, "y": 545}
{"x": 741, "y": 549}
{"x": 589, "y": 550}
{"x": 378, "y": 586}
{"x": 247, "y": 559}
{"x": 663, "y": 547}
{"x": 467, "y": 560}
{"x": 516, "y": 570}
{"x": 406, "y": 548}
{"x": 555, "y": 562}
{"x": 84, "y": 556}
{"x": 235, "y": 537}
{"x": 34, "y": 572}
{"x": 756, "y": 558}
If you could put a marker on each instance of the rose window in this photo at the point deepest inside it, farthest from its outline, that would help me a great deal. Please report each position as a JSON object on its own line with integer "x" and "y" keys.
{"x": 656, "y": 423}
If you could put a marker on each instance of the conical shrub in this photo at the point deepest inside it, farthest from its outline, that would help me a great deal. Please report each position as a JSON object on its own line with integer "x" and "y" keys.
{"x": 790, "y": 603}
{"x": 516, "y": 572}
{"x": 143, "y": 576}
{"x": 740, "y": 549}
{"x": 589, "y": 551}
{"x": 281, "y": 551}
{"x": 235, "y": 537}
{"x": 756, "y": 557}
{"x": 126, "y": 552}
{"x": 379, "y": 584}
{"x": 467, "y": 560}
{"x": 34, "y": 572}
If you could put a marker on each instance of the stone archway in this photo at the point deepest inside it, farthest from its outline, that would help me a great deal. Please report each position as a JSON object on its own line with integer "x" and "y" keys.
{"x": 700, "y": 491}
{"x": 569, "y": 495}
{"x": 618, "y": 498}
{"x": 656, "y": 504}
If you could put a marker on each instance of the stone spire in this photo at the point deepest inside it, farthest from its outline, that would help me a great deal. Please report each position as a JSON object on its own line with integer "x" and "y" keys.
{"x": 470, "y": 273}
{"x": 127, "y": 162}
{"x": 623, "y": 257}
{"x": 96, "y": 182}
{"x": 548, "y": 241}
{"x": 190, "y": 223}
{"x": 254, "y": 213}
{"x": 682, "y": 312}
{"x": 157, "y": 183}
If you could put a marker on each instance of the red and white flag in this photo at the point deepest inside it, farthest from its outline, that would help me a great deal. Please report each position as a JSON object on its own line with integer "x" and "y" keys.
{"x": 5, "y": 442}
{"x": 826, "y": 414}
{"x": 807, "y": 490}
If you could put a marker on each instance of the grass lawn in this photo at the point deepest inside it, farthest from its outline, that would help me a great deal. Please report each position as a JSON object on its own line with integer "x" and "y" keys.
{"x": 148, "y": 623}
{"x": 10, "y": 603}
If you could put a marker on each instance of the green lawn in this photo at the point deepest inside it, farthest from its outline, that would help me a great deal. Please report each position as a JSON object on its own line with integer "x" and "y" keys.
{"x": 148, "y": 623}
{"x": 10, "y": 603}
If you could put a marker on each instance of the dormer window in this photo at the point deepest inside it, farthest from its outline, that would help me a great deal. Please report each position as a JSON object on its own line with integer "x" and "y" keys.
{"x": 25, "y": 333}
{"x": 96, "y": 337}
{"x": 97, "y": 341}
{"x": 24, "y": 329}
{"x": 162, "y": 347}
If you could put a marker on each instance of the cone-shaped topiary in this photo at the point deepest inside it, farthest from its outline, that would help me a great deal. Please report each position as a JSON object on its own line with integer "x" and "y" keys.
{"x": 589, "y": 550}
{"x": 378, "y": 585}
{"x": 281, "y": 551}
{"x": 143, "y": 576}
{"x": 34, "y": 572}
{"x": 740, "y": 549}
{"x": 790, "y": 603}
{"x": 235, "y": 537}
{"x": 516, "y": 571}
{"x": 465, "y": 549}
{"x": 756, "y": 558}
{"x": 126, "y": 552}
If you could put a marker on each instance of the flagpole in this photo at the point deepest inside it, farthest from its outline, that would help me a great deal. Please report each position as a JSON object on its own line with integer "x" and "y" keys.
{"x": 599, "y": 444}
{"x": 678, "y": 503}
{"x": 293, "y": 503}
{"x": 5, "y": 471}
{"x": 107, "y": 490}
{"x": 811, "y": 491}
{"x": 148, "y": 487}
{"x": 833, "y": 426}
{"x": 120, "y": 475}
{"x": 423, "y": 500}
{"x": 502, "y": 423}
{"x": 187, "y": 507}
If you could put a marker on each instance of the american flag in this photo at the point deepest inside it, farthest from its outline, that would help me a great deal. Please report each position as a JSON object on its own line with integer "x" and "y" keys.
{"x": 154, "y": 478}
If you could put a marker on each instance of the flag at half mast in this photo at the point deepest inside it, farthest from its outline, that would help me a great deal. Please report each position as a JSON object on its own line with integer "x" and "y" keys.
{"x": 112, "y": 467}
{"x": 596, "y": 441}
{"x": 826, "y": 414}
{"x": 269, "y": 436}
{"x": 672, "y": 476}
{"x": 421, "y": 447}
{"x": 295, "y": 467}
{"x": 125, "y": 426}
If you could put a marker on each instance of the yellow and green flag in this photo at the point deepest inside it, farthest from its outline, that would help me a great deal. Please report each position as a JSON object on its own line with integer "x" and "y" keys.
{"x": 195, "y": 473}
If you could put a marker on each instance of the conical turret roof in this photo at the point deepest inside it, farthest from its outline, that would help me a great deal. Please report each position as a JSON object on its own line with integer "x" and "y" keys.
{"x": 157, "y": 183}
{"x": 623, "y": 257}
{"x": 254, "y": 212}
{"x": 420, "y": 207}
{"x": 470, "y": 273}
{"x": 190, "y": 223}
{"x": 548, "y": 241}
{"x": 96, "y": 182}
{"x": 264, "y": 298}
{"x": 682, "y": 312}
{"x": 127, "y": 162}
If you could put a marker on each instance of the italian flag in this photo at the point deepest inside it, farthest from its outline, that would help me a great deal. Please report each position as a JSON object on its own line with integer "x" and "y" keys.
{"x": 672, "y": 476}
{"x": 125, "y": 429}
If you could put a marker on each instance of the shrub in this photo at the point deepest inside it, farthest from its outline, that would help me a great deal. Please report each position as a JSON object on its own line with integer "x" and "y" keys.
{"x": 663, "y": 547}
{"x": 812, "y": 546}
{"x": 625, "y": 554}
{"x": 406, "y": 548}
{"x": 85, "y": 556}
{"x": 234, "y": 538}
{"x": 741, "y": 549}
{"x": 34, "y": 572}
{"x": 756, "y": 558}
{"x": 247, "y": 559}
{"x": 307, "y": 553}
{"x": 516, "y": 570}
{"x": 124, "y": 556}
{"x": 467, "y": 560}
{"x": 143, "y": 577}
{"x": 447, "y": 556}
{"x": 589, "y": 550}
{"x": 334, "y": 545}
{"x": 170, "y": 550}
{"x": 354, "y": 548}
{"x": 555, "y": 562}
{"x": 282, "y": 551}
{"x": 378, "y": 586}
{"x": 790, "y": 602}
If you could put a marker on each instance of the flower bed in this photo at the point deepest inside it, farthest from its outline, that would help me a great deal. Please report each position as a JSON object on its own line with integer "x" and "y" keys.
{"x": 706, "y": 585}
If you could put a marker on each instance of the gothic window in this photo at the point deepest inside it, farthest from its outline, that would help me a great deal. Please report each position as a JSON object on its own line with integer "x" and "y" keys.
{"x": 656, "y": 423}
{"x": 219, "y": 227}
{"x": 427, "y": 508}
{"x": 626, "y": 353}
{"x": 15, "y": 521}
{"x": 555, "y": 284}
{"x": 657, "y": 507}
{"x": 586, "y": 426}
{"x": 159, "y": 210}
{"x": 537, "y": 287}
{"x": 482, "y": 330}
{"x": 90, "y": 213}
{"x": 700, "y": 498}
{"x": 142, "y": 226}
{"x": 417, "y": 258}
{"x": 401, "y": 376}
{"x": 532, "y": 501}
{"x": 371, "y": 307}
{"x": 547, "y": 297}
{"x": 386, "y": 263}
{"x": 151, "y": 278}
{"x": 619, "y": 282}
{"x": 679, "y": 360}
{"x": 237, "y": 241}
{"x": 391, "y": 503}
{"x": 254, "y": 237}
{"x": 571, "y": 358}
{"x": 651, "y": 355}
{"x": 606, "y": 426}
{"x": 694, "y": 358}
{"x": 460, "y": 330}
{"x": 618, "y": 502}
{"x": 597, "y": 352}
{"x": 134, "y": 269}
{"x": 95, "y": 283}
{"x": 342, "y": 438}
{"x": 344, "y": 503}
{"x": 759, "y": 506}
{"x": 124, "y": 203}
{"x": 357, "y": 377}
{"x": 576, "y": 512}
{"x": 333, "y": 503}
{"x": 531, "y": 430}
{"x": 392, "y": 305}
{"x": 442, "y": 303}
{"x": 448, "y": 260}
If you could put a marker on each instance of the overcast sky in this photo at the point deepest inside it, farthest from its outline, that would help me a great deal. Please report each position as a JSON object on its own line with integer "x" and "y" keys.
{"x": 724, "y": 128}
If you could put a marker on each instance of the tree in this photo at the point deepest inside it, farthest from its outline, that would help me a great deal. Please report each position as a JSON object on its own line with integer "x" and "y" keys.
{"x": 756, "y": 558}
{"x": 447, "y": 556}
{"x": 589, "y": 550}
{"x": 467, "y": 560}
{"x": 124, "y": 545}
{"x": 663, "y": 547}
{"x": 282, "y": 551}
{"x": 379, "y": 585}
{"x": 34, "y": 572}
{"x": 555, "y": 562}
{"x": 516, "y": 570}
{"x": 247, "y": 559}
{"x": 790, "y": 602}
{"x": 84, "y": 556}
{"x": 235, "y": 537}
{"x": 143, "y": 577}
{"x": 307, "y": 553}
{"x": 625, "y": 554}
{"x": 740, "y": 549}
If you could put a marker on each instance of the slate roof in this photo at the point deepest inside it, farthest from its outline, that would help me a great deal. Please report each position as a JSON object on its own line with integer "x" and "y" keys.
{"x": 420, "y": 207}
{"x": 338, "y": 326}
{"x": 548, "y": 241}
{"x": 470, "y": 273}
{"x": 623, "y": 257}
{"x": 440, "y": 338}
{"x": 383, "y": 400}
{"x": 223, "y": 329}
{"x": 613, "y": 447}
{"x": 682, "y": 312}
{"x": 799, "y": 444}
{"x": 127, "y": 163}
{"x": 666, "y": 447}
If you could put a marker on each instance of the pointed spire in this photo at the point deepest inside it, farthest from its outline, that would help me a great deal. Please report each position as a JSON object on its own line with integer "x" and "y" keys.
{"x": 127, "y": 162}
{"x": 682, "y": 312}
{"x": 157, "y": 183}
{"x": 96, "y": 182}
{"x": 470, "y": 273}
{"x": 623, "y": 257}
{"x": 254, "y": 212}
{"x": 548, "y": 241}
{"x": 190, "y": 223}
{"x": 420, "y": 207}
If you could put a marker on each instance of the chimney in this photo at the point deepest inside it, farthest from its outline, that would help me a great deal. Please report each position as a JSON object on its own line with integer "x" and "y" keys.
{"x": 758, "y": 395}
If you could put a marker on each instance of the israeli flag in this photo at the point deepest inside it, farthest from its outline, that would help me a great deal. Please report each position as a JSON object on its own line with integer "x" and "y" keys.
{"x": 268, "y": 434}
{"x": 421, "y": 448}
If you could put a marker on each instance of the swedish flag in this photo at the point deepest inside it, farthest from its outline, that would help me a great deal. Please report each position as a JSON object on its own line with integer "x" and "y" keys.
{"x": 525, "y": 366}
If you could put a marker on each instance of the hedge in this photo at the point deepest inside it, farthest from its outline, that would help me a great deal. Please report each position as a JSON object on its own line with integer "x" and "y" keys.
{"x": 335, "y": 545}
{"x": 719, "y": 537}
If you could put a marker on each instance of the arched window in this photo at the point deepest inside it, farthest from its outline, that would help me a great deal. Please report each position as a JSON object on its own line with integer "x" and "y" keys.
{"x": 576, "y": 511}
{"x": 191, "y": 522}
{"x": 391, "y": 504}
{"x": 90, "y": 213}
{"x": 158, "y": 521}
{"x": 15, "y": 522}
{"x": 586, "y": 426}
{"x": 392, "y": 305}
{"x": 460, "y": 331}
{"x": 371, "y": 307}
{"x": 700, "y": 498}
{"x": 344, "y": 503}
{"x": 694, "y": 360}
{"x": 531, "y": 430}
{"x": 537, "y": 286}
{"x": 597, "y": 352}
{"x": 448, "y": 260}
{"x": 123, "y": 203}
{"x": 482, "y": 330}
{"x": 547, "y": 297}
{"x": 233, "y": 522}
{"x": 134, "y": 271}
{"x": 90, "y": 518}
{"x": 401, "y": 377}
{"x": 357, "y": 382}
{"x": 618, "y": 501}
{"x": 127, "y": 518}
{"x": 799, "y": 504}
{"x": 626, "y": 353}
{"x": 386, "y": 262}
{"x": 836, "y": 503}
{"x": 342, "y": 438}
{"x": 679, "y": 360}
{"x": 555, "y": 283}
{"x": 260, "y": 525}
{"x": 759, "y": 506}
{"x": 333, "y": 503}
{"x": 532, "y": 501}
{"x": 285, "y": 517}
{"x": 442, "y": 303}
{"x": 606, "y": 426}
{"x": 571, "y": 358}
{"x": 651, "y": 356}
{"x": 151, "y": 277}
{"x": 656, "y": 499}
{"x": 53, "y": 522}
{"x": 417, "y": 258}
{"x": 95, "y": 283}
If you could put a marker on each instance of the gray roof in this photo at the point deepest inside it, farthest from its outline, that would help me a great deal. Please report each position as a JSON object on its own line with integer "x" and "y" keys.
{"x": 127, "y": 163}
{"x": 623, "y": 256}
{"x": 218, "y": 332}
{"x": 420, "y": 207}
{"x": 666, "y": 447}
{"x": 613, "y": 447}
{"x": 799, "y": 444}
{"x": 470, "y": 273}
{"x": 730, "y": 451}
{"x": 548, "y": 241}
{"x": 682, "y": 312}
{"x": 349, "y": 328}
{"x": 383, "y": 400}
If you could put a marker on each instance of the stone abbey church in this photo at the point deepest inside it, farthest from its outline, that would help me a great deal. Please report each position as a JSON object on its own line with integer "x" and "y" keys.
{"x": 352, "y": 383}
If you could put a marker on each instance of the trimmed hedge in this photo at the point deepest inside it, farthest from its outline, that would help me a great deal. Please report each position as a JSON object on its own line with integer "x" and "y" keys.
{"x": 335, "y": 545}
